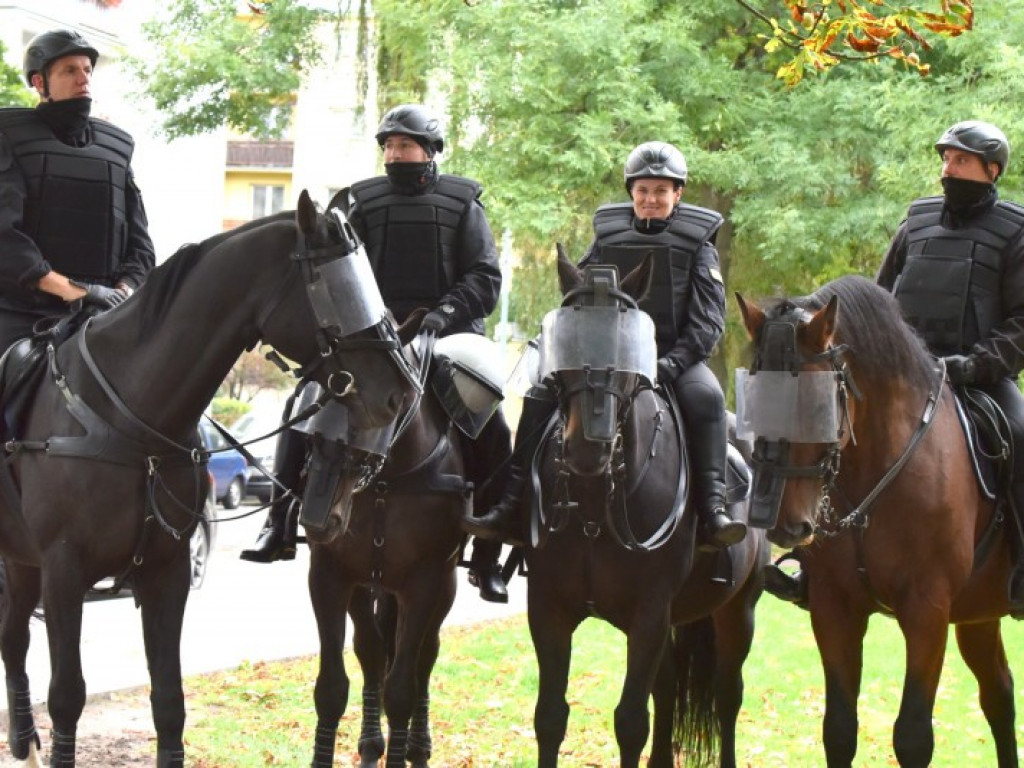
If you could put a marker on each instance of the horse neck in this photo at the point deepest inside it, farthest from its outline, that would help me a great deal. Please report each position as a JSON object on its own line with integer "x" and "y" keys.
{"x": 425, "y": 430}
{"x": 168, "y": 376}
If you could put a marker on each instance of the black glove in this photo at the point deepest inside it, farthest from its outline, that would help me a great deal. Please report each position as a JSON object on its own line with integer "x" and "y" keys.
{"x": 100, "y": 295}
{"x": 434, "y": 322}
{"x": 960, "y": 369}
{"x": 668, "y": 370}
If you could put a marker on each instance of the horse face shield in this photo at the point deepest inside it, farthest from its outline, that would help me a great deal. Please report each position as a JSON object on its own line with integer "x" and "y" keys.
{"x": 346, "y": 300}
{"x": 778, "y": 406}
{"x": 610, "y": 346}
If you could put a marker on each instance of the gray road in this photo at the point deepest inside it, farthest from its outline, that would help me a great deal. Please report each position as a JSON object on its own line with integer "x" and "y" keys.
{"x": 243, "y": 612}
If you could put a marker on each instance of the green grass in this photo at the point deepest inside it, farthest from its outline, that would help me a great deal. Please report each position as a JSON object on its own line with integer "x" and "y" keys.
{"x": 484, "y": 687}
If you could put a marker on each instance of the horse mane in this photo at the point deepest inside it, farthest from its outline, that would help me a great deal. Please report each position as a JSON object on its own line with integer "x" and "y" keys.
{"x": 871, "y": 323}
{"x": 163, "y": 282}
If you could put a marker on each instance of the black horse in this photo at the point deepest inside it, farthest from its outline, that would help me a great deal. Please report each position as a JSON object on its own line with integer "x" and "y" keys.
{"x": 614, "y": 538}
{"x": 392, "y": 567}
{"x": 121, "y": 481}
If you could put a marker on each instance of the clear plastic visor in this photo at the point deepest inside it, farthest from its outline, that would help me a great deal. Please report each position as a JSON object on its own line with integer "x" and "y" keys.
{"x": 776, "y": 405}
{"x": 345, "y": 294}
{"x": 606, "y": 338}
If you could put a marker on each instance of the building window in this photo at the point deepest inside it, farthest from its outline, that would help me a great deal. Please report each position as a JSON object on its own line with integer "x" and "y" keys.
{"x": 266, "y": 200}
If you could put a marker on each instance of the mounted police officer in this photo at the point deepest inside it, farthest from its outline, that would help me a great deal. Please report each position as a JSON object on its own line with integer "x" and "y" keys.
{"x": 956, "y": 267}
{"x": 72, "y": 224}
{"x": 429, "y": 245}
{"x": 687, "y": 304}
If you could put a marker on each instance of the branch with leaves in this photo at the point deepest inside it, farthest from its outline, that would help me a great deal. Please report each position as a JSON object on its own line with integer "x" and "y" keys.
{"x": 821, "y": 35}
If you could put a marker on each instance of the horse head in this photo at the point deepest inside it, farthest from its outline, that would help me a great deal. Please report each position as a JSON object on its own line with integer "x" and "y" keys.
{"x": 341, "y": 324}
{"x": 794, "y": 404}
{"x": 598, "y": 350}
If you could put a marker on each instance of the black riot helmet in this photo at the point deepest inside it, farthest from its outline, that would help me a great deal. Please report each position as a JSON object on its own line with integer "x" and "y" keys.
{"x": 413, "y": 120}
{"x": 978, "y": 138}
{"x": 655, "y": 160}
{"x": 49, "y": 46}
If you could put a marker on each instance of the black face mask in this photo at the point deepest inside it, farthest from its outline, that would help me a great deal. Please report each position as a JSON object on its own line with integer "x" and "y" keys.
{"x": 963, "y": 195}
{"x": 67, "y": 118}
{"x": 411, "y": 177}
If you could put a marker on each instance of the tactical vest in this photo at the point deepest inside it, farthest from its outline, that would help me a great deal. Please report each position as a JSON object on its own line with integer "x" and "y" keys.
{"x": 411, "y": 240}
{"x": 675, "y": 248}
{"x": 75, "y": 209}
{"x": 949, "y": 287}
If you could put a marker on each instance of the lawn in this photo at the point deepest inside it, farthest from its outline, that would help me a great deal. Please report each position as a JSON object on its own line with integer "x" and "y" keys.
{"x": 483, "y": 690}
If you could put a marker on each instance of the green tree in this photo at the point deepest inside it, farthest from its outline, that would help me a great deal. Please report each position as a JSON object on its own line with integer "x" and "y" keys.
{"x": 13, "y": 92}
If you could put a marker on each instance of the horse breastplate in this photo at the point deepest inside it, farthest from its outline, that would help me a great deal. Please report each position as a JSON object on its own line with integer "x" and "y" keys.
{"x": 949, "y": 287}
{"x": 75, "y": 211}
{"x": 675, "y": 249}
{"x": 412, "y": 239}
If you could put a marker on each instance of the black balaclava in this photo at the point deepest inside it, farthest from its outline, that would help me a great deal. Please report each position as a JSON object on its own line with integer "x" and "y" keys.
{"x": 965, "y": 198}
{"x": 67, "y": 118}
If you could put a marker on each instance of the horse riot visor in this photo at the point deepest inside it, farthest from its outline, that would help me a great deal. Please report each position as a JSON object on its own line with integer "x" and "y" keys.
{"x": 781, "y": 406}
{"x": 600, "y": 341}
{"x": 345, "y": 296}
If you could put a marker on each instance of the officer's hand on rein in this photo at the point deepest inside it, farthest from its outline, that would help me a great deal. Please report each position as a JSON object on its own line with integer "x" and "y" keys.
{"x": 433, "y": 322}
{"x": 100, "y": 295}
{"x": 667, "y": 370}
{"x": 960, "y": 369}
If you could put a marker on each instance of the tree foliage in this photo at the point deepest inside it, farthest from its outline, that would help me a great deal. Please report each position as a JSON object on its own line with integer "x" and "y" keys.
{"x": 822, "y": 34}
{"x": 208, "y": 67}
{"x": 253, "y": 374}
{"x": 13, "y": 92}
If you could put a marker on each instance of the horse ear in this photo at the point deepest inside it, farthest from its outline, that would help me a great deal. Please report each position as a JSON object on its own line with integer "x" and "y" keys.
{"x": 407, "y": 331}
{"x": 305, "y": 213}
{"x": 569, "y": 276}
{"x": 638, "y": 282}
{"x": 822, "y": 326}
{"x": 753, "y": 316}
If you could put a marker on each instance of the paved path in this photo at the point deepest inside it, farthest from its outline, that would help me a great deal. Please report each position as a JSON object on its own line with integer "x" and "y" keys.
{"x": 243, "y": 612}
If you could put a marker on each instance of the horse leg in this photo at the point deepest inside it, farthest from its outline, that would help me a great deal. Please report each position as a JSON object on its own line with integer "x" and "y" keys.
{"x": 981, "y": 646}
{"x": 663, "y": 694}
{"x": 925, "y": 633}
{"x": 20, "y": 597}
{"x": 551, "y": 629}
{"x": 62, "y": 602}
{"x": 645, "y": 645}
{"x": 329, "y": 596}
{"x": 418, "y": 620}
{"x": 369, "y": 645}
{"x": 162, "y": 594}
{"x": 733, "y": 638}
{"x": 420, "y": 744}
{"x": 840, "y": 639}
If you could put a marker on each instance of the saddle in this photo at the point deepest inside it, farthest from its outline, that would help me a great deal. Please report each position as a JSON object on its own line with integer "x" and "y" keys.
{"x": 23, "y": 363}
{"x": 989, "y": 441}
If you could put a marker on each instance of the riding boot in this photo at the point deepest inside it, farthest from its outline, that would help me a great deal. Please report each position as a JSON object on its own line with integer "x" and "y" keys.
{"x": 791, "y": 587}
{"x": 502, "y": 522}
{"x": 485, "y": 571}
{"x": 708, "y": 445}
{"x": 276, "y": 540}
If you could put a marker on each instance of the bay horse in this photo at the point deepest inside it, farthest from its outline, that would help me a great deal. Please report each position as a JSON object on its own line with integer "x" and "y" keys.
{"x": 392, "y": 568}
{"x": 612, "y": 536}
{"x": 120, "y": 485}
{"x": 885, "y": 509}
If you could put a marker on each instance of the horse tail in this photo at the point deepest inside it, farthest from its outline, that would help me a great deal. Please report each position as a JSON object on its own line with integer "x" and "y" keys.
{"x": 695, "y": 728}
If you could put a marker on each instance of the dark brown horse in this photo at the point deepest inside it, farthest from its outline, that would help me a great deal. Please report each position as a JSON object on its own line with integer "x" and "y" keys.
{"x": 613, "y": 538}
{"x": 886, "y": 510}
{"x": 121, "y": 481}
{"x": 393, "y": 569}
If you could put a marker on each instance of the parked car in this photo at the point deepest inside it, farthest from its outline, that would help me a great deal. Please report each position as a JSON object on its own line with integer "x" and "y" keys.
{"x": 229, "y": 468}
{"x": 256, "y": 424}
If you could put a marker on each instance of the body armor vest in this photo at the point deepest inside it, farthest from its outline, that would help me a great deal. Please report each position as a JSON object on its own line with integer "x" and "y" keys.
{"x": 75, "y": 211}
{"x": 411, "y": 240}
{"x": 675, "y": 249}
{"x": 948, "y": 289}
